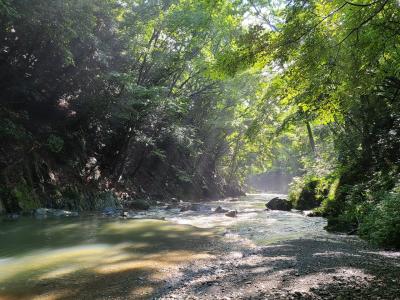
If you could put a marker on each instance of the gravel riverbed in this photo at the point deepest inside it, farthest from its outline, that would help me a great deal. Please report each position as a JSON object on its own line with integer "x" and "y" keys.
{"x": 329, "y": 267}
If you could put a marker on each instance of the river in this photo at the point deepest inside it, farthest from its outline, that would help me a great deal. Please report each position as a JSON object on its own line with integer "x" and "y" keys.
{"x": 96, "y": 257}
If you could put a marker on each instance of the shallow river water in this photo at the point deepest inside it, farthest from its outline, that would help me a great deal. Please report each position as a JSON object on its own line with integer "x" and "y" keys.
{"x": 95, "y": 257}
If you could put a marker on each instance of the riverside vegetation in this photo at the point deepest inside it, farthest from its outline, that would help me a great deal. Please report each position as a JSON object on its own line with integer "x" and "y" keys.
{"x": 106, "y": 102}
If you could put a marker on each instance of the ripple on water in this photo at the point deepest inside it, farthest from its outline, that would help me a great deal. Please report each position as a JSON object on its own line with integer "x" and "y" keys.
{"x": 253, "y": 222}
{"x": 93, "y": 251}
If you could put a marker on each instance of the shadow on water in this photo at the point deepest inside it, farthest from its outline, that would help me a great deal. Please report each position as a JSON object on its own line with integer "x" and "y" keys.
{"x": 197, "y": 254}
{"x": 93, "y": 258}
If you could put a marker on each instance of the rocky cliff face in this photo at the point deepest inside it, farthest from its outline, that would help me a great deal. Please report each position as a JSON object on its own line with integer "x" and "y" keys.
{"x": 79, "y": 175}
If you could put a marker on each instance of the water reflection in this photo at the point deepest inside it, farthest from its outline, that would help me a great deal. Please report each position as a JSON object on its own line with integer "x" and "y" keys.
{"x": 92, "y": 257}
{"x": 79, "y": 258}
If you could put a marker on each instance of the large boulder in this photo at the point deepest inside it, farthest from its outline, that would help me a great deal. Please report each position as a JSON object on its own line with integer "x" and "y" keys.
{"x": 279, "y": 204}
{"x": 138, "y": 204}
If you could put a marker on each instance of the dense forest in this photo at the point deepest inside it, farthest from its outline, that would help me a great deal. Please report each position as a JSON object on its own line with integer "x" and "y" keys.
{"x": 117, "y": 100}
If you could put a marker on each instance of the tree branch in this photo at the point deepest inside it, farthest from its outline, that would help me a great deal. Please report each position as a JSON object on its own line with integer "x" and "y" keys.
{"x": 360, "y": 4}
{"x": 377, "y": 11}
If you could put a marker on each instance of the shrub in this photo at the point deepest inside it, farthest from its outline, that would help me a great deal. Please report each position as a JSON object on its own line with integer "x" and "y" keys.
{"x": 381, "y": 226}
{"x": 329, "y": 204}
{"x": 309, "y": 191}
{"x": 55, "y": 143}
{"x": 10, "y": 129}
{"x": 22, "y": 198}
{"x": 295, "y": 189}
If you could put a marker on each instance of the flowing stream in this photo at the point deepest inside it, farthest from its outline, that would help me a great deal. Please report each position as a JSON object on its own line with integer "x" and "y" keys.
{"x": 77, "y": 257}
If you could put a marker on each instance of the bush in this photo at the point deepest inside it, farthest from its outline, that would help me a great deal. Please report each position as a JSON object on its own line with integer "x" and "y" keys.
{"x": 22, "y": 198}
{"x": 10, "y": 129}
{"x": 309, "y": 191}
{"x": 381, "y": 226}
{"x": 55, "y": 143}
{"x": 329, "y": 205}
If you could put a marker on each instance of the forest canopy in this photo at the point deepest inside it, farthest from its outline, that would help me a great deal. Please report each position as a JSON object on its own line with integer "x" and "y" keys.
{"x": 185, "y": 98}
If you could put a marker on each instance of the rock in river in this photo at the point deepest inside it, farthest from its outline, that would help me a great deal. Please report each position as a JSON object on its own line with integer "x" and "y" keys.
{"x": 200, "y": 207}
{"x": 310, "y": 213}
{"x": 232, "y": 213}
{"x": 139, "y": 204}
{"x": 220, "y": 210}
{"x": 110, "y": 212}
{"x": 44, "y": 212}
{"x": 279, "y": 204}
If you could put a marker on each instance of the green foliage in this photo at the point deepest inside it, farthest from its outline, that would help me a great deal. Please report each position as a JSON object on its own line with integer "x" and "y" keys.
{"x": 334, "y": 67}
{"x": 103, "y": 200}
{"x": 329, "y": 205}
{"x": 23, "y": 195}
{"x": 296, "y": 186}
{"x": 381, "y": 225}
{"x": 159, "y": 153}
{"x": 71, "y": 198}
{"x": 195, "y": 93}
{"x": 183, "y": 176}
{"x": 308, "y": 192}
{"x": 9, "y": 129}
{"x": 55, "y": 143}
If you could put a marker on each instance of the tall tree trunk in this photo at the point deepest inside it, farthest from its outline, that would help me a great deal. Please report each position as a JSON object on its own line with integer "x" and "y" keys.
{"x": 311, "y": 138}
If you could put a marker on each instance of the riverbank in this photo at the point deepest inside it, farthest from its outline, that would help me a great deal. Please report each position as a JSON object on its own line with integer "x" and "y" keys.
{"x": 334, "y": 267}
